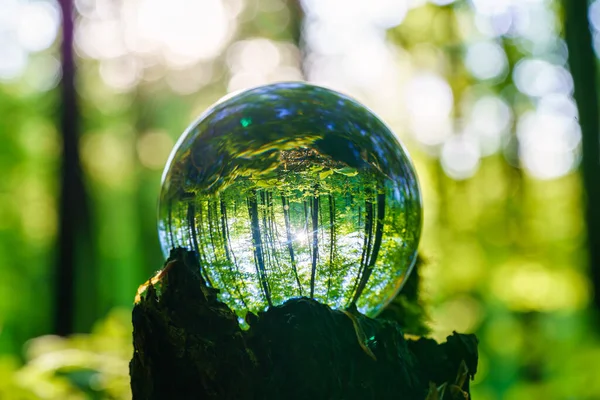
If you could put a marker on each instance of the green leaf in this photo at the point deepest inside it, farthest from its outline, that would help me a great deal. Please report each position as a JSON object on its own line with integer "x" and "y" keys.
{"x": 263, "y": 184}
{"x": 325, "y": 174}
{"x": 348, "y": 171}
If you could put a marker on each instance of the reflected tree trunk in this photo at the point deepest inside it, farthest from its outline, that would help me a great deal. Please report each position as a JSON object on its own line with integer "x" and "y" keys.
{"x": 211, "y": 223}
{"x": 286, "y": 216}
{"x": 201, "y": 235}
{"x": 376, "y": 246}
{"x": 197, "y": 246}
{"x": 170, "y": 223}
{"x": 315, "y": 241}
{"x": 332, "y": 239}
{"x": 181, "y": 218}
{"x": 272, "y": 230}
{"x": 191, "y": 220}
{"x": 364, "y": 257}
{"x": 217, "y": 224}
{"x": 258, "y": 246}
{"x": 268, "y": 240}
{"x": 200, "y": 232}
{"x": 224, "y": 229}
{"x": 306, "y": 225}
{"x": 237, "y": 279}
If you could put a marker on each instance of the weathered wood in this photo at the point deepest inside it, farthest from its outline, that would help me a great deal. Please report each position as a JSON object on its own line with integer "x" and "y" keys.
{"x": 188, "y": 345}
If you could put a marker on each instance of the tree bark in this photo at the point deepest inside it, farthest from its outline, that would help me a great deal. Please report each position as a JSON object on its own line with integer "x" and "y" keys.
{"x": 188, "y": 345}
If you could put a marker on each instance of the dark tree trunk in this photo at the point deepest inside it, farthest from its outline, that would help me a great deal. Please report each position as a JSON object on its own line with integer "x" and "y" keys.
{"x": 224, "y": 229}
{"x": 188, "y": 345}
{"x": 376, "y": 246}
{"x": 273, "y": 233}
{"x": 583, "y": 68}
{"x": 306, "y": 225}
{"x": 217, "y": 223}
{"x": 170, "y": 223}
{"x": 202, "y": 256}
{"x": 331, "y": 242}
{"x": 212, "y": 220}
{"x": 315, "y": 242}
{"x": 268, "y": 250}
{"x": 231, "y": 259}
{"x": 191, "y": 220}
{"x": 364, "y": 257}
{"x": 288, "y": 234}
{"x": 73, "y": 208}
{"x": 257, "y": 244}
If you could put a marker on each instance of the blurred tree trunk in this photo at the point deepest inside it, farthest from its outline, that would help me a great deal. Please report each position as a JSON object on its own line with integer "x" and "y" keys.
{"x": 295, "y": 28}
{"x": 583, "y": 68}
{"x": 73, "y": 229}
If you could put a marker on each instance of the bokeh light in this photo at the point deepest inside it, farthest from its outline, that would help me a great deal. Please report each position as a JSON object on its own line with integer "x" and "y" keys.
{"x": 132, "y": 38}
{"x": 460, "y": 157}
{"x": 489, "y": 122}
{"x": 549, "y": 143}
{"x": 429, "y": 102}
{"x": 25, "y": 27}
{"x": 486, "y": 60}
{"x": 259, "y": 61}
{"x": 538, "y": 78}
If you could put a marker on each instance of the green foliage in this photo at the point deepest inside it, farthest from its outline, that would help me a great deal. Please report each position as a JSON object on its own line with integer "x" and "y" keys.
{"x": 84, "y": 366}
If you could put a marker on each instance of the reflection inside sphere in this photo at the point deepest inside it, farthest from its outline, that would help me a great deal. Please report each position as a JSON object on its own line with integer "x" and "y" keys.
{"x": 292, "y": 190}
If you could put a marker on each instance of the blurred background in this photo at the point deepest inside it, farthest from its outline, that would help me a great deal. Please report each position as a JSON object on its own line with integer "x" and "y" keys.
{"x": 480, "y": 91}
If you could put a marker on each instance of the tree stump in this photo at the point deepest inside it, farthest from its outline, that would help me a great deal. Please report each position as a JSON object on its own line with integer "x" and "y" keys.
{"x": 189, "y": 345}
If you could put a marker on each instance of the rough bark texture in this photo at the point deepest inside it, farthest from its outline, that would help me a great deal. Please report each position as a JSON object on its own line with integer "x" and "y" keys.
{"x": 188, "y": 345}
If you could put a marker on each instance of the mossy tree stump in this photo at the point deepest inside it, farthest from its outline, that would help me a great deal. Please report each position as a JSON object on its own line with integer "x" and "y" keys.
{"x": 188, "y": 345}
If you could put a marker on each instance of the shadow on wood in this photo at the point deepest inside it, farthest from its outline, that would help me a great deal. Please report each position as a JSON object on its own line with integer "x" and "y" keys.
{"x": 188, "y": 345}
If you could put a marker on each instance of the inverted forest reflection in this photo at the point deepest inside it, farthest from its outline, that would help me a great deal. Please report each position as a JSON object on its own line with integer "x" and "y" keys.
{"x": 318, "y": 201}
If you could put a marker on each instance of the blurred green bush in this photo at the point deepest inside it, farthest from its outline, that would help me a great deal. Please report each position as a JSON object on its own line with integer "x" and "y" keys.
{"x": 83, "y": 366}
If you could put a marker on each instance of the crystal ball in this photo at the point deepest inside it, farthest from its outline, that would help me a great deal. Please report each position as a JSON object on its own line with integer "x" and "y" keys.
{"x": 291, "y": 190}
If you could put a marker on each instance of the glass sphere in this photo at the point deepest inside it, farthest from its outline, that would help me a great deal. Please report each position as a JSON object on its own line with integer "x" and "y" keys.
{"x": 290, "y": 190}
